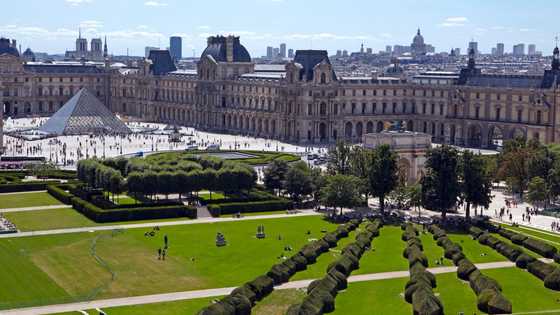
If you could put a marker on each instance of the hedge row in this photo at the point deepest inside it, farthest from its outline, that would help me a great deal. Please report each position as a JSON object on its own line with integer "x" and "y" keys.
{"x": 250, "y": 196}
{"x": 537, "y": 246}
{"x": 131, "y": 214}
{"x": 247, "y": 207}
{"x": 241, "y": 300}
{"x": 59, "y": 192}
{"x": 418, "y": 289}
{"x": 27, "y": 186}
{"x": 489, "y": 293}
{"x": 321, "y": 293}
{"x": 546, "y": 272}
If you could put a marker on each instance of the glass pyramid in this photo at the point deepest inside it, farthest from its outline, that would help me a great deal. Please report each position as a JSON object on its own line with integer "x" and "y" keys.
{"x": 84, "y": 114}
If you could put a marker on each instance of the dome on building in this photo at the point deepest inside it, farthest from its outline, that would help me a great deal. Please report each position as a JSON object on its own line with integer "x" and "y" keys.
{"x": 6, "y": 48}
{"x": 218, "y": 49}
{"x": 418, "y": 39}
{"x": 28, "y": 55}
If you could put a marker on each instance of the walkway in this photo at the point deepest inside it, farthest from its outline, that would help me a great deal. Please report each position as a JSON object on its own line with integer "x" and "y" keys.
{"x": 35, "y": 208}
{"x": 189, "y": 295}
{"x": 302, "y": 213}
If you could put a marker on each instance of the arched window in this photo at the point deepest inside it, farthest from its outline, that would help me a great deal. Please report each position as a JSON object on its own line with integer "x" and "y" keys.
{"x": 323, "y": 78}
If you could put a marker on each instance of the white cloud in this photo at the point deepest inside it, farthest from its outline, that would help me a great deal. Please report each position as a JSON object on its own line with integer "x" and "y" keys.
{"x": 76, "y": 3}
{"x": 454, "y": 21}
{"x": 154, "y": 3}
{"x": 203, "y": 27}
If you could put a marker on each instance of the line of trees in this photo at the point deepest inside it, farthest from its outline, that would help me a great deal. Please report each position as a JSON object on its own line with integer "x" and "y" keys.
{"x": 97, "y": 175}
{"x": 296, "y": 180}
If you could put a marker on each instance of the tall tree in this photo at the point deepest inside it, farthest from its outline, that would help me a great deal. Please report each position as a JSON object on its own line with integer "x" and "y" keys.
{"x": 339, "y": 159}
{"x": 476, "y": 186}
{"x": 341, "y": 191}
{"x": 275, "y": 174}
{"x": 440, "y": 185}
{"x": 537, "y": 191}
{"x": 382, "y": 177}
{"x": 298, "y": 181}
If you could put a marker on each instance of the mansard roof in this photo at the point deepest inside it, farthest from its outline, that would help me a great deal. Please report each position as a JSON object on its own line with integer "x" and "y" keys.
{"x": 61, "y": 69}
{"x": 308, "y": 59}
{"x": 6, "y": 48}
{"x": 162, "y": 63}
{"x": 217, "y": 49}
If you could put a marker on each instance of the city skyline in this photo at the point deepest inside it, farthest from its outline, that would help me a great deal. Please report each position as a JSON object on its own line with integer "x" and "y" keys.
{"x": 134, "y": 24}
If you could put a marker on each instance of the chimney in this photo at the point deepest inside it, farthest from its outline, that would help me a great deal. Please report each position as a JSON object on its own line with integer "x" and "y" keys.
{"x": 14, "y": 44}
{"x": 229, "y": 48}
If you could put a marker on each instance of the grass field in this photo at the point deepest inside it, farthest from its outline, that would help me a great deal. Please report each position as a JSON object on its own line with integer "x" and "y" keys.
{"x": 38, "y": 199}
{"x": 62, "y": 267}
{"x": 551, "y": 237}
{"x": 48, "y": 219}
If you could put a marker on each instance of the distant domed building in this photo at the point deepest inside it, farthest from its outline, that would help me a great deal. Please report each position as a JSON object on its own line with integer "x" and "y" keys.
{"x": 418, "y": 46}
{"x": 28, "y": 55}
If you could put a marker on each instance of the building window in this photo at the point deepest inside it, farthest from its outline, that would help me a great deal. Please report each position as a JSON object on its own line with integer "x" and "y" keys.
{"x": 309, "y": 109}
{"x": 384, "y": 108}
{"x": 424, "y": 108}
{"x": 433, "y": 109}
{"x": 441, "y": 109}
{"x": 477, "y": 112}
{"x": 498, "y": 112}
{"x": 519, "y": 115}
{"x": 394, "y": 108}
{"x": 539, "y": 117}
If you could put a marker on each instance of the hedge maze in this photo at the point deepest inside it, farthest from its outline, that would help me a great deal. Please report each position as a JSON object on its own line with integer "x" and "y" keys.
{"x": 418, "y": 289}
{"x": 241, "y": 300}
{"x": 488, "y": 291}
{"x": 321, "y": 293}
{"x": 548, "y": 273}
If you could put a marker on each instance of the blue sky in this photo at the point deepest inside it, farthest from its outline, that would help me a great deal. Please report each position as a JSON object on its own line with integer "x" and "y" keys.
{"x": 52, "y": 25}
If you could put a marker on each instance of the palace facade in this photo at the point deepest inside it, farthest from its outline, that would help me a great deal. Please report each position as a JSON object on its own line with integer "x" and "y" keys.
{"x": 304, "y": 101}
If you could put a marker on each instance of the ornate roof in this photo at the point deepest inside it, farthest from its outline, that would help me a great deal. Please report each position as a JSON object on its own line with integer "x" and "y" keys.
{"x": 217, "y": 49}
{"x": 6, "y": 48}
{"x": 162, "y": 63}
{"x": 308, "y": 59}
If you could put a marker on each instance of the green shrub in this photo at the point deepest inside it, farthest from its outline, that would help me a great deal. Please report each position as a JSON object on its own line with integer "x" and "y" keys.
{"x": 480, "y": 282}
{"x": 523, "y": 260}
{"x": 518, "y": 239}
{"x": 248, "y": 207}
{"x": 464, "y": 269}
{"x": 219, "y": 308}
{"x": 262, "y": 286}
{"x": 60, "y": 194}
{"x": 241, "y": 304}
{"x": 114, "y": 215}
{"x": 474, "y": 231}
{"x": 498, "y": 304}
{"x": 540, "y": 247}
{"x": 27, "y": 186}
{"x": 540, "y": 269}
{"x": 424, "y": 302}
{"x": 246, "y": 291}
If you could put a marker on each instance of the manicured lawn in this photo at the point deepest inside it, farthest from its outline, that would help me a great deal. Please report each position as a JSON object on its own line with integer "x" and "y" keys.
{"x": 432, "y": 250}
{"x": 526, "y": 291}
{"x": 455, "y": 294}
{"x": 26, "y": 200}
{"x": 386, "y": 253}
{"x": 194, "y": 262}
{"x": 48, "y": 219}
{"x": 552, "y": 238}
{"x": 278, "y": 302}
{"x": 167, "y": 308}
{"x": 319, "y": 268}
{"x": 373, "y": 297}
{"x": 215, "y": 196}
{"x": 474, "y": 251}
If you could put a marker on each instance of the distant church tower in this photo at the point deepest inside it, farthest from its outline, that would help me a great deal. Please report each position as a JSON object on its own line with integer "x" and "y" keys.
{"x": 81, "y": 45}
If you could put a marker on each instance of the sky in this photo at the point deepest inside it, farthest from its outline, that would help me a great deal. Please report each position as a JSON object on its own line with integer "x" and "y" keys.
{"x": 52, "y": 25}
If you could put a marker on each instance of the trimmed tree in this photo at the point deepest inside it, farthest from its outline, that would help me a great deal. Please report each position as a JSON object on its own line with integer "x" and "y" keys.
{"x": 298, "y": 181}
{"x": 440, "y": 185}
{"x": 274, "y": 175}
{"x": 382, "y": 175}
{"x": 341, "y": 191}
{"x": 476, "y": 186}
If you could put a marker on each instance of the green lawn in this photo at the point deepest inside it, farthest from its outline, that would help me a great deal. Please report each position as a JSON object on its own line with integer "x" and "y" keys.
{"x": 215, "y": 196}
{"x": 319, "y": 268}
{"x": 474, "y": 251}
{"x": 65, "y": 262}
{"x": 386, "y": 253}
{"x": 526, "y": 291}
{"x": 48, "y": 219}
{"x": 552, "y": 238}
{"x": 26, "y": 200}
{"x": 278, "y": 302}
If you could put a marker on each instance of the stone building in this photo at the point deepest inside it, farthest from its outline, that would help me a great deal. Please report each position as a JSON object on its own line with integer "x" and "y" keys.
{"x": 306, "y": 102}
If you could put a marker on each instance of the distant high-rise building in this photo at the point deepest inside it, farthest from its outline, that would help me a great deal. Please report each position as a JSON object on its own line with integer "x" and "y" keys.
{"x": 339, "y": 53}
{"x": 500, "y": 49}
{"x": 283, "y": 50}
{"x": 457, "y": 52}
{"x": 275, "y": 53}
{"x": 389, "y": 49}
{"x": 494, "y": 51}
{"x": 269, "y": 52}
{"x": 531, "y": 50}
{"x": 176, "y": 47}
{"x": 148, "y": 49}
{"x": 290, "y": 53}
{"x": 369, "y": 51}
{"x": 519, "y": 50}
{"x": 345, "y": 53}
{"x": 474, "y": 46}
